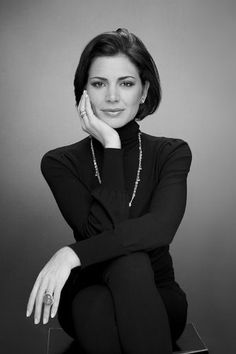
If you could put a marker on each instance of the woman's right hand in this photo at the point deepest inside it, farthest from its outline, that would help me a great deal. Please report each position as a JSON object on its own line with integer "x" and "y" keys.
{"x": 51, "y": 279}
{"x": 94, "y": 126}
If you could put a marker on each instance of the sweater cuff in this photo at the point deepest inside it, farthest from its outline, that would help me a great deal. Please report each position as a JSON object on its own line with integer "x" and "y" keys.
{"x": 113, "y": 169}
{"x": 91, "y": 250}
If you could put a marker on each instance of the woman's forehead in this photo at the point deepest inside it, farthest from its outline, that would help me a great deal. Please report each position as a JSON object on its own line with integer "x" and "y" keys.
{"x": 118, "y": 66}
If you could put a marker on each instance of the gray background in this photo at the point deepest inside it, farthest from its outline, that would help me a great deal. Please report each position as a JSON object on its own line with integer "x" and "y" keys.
{"x": 193, "y": 44}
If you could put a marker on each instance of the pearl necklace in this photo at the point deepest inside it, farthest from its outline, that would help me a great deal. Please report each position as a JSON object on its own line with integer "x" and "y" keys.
{"x": 138, "y": 172}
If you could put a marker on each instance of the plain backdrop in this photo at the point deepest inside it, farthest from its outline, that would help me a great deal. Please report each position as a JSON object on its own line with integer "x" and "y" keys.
{"x": 193, "y": 44}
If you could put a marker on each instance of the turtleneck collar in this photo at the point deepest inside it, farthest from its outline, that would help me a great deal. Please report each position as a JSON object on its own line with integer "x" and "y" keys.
{"x": 128, "y": 133}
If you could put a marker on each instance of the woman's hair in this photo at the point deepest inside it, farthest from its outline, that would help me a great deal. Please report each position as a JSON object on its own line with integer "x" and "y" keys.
{"x": 117, "y": 42}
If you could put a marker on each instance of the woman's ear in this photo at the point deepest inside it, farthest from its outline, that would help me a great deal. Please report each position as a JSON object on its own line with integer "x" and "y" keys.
{"x": 145, "y": 91}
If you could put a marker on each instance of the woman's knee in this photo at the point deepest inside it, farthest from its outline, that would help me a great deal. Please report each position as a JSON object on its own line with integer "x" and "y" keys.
{"x": 136, "y": 265}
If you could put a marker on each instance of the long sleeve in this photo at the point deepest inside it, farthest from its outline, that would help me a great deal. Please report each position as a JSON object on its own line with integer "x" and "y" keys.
{"x": 88, "y": 213}
{"x": 99, "y": 214}
{"x": 157, "y": 227}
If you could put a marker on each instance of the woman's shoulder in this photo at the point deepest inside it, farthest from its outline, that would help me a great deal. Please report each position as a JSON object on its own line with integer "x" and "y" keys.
{"x": 65, "y": 157}
{"x": 170, "y": 153}
{"x": 75, "y": 149}
{"x": 166, "y": 144}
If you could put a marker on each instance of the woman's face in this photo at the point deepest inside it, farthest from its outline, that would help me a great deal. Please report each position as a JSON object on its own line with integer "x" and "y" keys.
{"x": 115, "y": 89}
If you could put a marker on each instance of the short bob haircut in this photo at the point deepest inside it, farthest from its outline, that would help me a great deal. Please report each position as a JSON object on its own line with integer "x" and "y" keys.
{"x": 114, "y": 43}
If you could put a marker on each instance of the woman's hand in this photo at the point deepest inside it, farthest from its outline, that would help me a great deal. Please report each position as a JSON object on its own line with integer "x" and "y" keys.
{"x": 51, "y": 279}
{"x": 94, "y": 126}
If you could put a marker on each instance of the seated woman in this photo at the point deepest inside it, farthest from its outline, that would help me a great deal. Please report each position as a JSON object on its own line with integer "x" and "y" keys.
{"x": 123, "y": 192}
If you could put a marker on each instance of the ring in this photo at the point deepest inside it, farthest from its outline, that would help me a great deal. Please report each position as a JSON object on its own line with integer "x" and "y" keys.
{"x": 48, "y": 299}
{"x": 82, "y": 113}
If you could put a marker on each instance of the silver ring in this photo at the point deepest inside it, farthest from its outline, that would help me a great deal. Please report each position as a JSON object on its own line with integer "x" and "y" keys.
{"x": 48, "y": 299}
{"x": 83, "y": 113}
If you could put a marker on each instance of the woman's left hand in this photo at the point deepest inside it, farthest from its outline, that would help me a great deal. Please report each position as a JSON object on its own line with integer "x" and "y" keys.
{"x": 51, "y": 279}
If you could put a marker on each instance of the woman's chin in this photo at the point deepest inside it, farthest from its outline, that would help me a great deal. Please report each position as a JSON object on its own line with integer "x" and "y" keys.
{"x": 115, "y": 122}
{"x": 112, "y": 122}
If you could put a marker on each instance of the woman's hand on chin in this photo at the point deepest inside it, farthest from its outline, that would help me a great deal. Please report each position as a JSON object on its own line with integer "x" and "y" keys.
{"x": 94, "y": 126}
{"x": 51, "y": 279}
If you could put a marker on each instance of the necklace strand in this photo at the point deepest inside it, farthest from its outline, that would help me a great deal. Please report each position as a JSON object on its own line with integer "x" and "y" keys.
{"x": 97, "y": 174}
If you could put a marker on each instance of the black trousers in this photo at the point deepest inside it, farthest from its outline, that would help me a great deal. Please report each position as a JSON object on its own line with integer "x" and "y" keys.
{"x": 116, "y": 307}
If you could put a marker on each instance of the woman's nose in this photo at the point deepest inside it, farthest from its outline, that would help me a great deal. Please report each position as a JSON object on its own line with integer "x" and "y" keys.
{"x": 112, "y": 94}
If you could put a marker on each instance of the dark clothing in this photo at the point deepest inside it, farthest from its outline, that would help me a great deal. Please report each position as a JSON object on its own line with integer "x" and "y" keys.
{"x": 117, "y": 308}
{"x": 105, "y": 227}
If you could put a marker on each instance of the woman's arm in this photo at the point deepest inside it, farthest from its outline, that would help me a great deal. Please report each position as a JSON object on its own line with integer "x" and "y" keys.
{"x": 120, "y": 235}
{"x": 87, "y": 213}
{"x": 158, "y": 226}
{"x": 70, "y": 194}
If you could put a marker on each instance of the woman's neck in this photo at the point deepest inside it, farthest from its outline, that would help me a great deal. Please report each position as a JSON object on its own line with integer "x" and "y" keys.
{"x": 128, "y": 134}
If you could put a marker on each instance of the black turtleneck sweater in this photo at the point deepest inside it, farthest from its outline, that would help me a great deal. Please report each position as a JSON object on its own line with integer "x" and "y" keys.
{"x": 103, "y": 224}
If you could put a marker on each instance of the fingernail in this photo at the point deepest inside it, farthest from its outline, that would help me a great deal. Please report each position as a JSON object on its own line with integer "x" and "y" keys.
{"x": 44, "y": 321}
{"x": 27, "y": 313}
{"x": 36, "y": 321}
{"x": 52, "y": 314}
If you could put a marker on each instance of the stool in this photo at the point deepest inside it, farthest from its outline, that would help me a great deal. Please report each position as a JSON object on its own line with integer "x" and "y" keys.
{"x": 190, "y": 342}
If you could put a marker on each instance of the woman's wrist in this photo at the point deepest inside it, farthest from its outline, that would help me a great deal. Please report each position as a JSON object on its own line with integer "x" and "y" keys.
{"x": 71, "y": 257}
{"x": 113, "y": 143}
{"x": 112, "y": 146}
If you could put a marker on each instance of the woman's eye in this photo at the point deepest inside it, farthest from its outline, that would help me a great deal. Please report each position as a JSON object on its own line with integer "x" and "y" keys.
{"x": 97, "y": 84}
{"x": 127, "y": 83}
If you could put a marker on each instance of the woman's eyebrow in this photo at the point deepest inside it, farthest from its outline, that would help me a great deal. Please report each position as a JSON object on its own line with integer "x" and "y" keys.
{"x": 120, "y": 78}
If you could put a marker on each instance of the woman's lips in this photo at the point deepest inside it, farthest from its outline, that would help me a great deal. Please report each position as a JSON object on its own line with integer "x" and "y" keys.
{"x": 113, "y": 113}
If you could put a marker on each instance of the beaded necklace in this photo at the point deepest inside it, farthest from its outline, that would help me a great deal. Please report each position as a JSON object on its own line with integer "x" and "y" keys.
{"x": 97, "y": 174}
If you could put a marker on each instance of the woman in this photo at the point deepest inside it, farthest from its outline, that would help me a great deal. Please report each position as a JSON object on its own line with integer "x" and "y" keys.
{"x": 123, "y": 192}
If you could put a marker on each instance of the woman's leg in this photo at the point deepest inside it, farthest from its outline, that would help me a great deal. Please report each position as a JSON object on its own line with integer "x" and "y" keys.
{"x": 94, "y": 306}
{"x": 140, "y": 312}
{"x": 94, "y": 321}
{"x": 86, "y": 312}
{"x": 101, "y": 300}
{"x": 177, "y": 308}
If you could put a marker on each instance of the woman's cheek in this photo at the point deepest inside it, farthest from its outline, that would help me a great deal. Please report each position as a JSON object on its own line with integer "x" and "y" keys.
{"x": 135, "y": 97}
{"x": 95, "y": 110}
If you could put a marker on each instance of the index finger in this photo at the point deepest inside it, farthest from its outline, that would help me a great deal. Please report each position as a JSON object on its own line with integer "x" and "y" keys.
{"x": 88, "y": 106}
{"x": 79, "y": 105}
